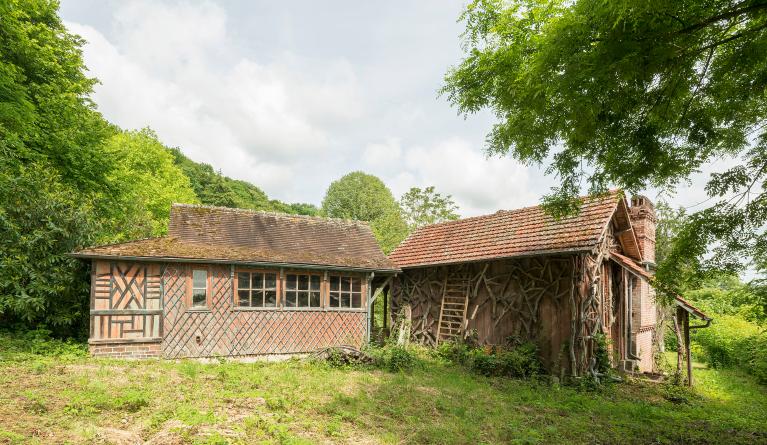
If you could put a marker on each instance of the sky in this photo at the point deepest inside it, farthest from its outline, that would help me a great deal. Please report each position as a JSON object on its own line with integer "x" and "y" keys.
{"x": 290, "y": 96}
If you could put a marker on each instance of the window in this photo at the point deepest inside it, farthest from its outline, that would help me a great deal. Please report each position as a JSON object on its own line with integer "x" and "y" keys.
{"x": 302, "y": 291}
{"x": 199, "y": 288}
{"x": 256, "y": 289}
{"x": 345, "y": 292}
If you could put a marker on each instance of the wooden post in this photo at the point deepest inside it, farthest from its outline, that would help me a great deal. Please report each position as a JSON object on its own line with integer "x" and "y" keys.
{"x": 386, "y": 309}
{"x": 403, "y": 337}
{"x": 687, "y": 347}
{"x": 678, "y": 321}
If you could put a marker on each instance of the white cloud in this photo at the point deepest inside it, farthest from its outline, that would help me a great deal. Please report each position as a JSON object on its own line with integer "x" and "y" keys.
{"x": 176, "y": 69}
{"x": 292, "y": 97}
{"x": 456, "y": 167}
{"x": 172, "y": 40}
{"x": 383, "y": 155}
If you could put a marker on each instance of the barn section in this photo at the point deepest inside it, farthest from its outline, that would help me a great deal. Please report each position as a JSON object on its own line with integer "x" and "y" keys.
{"x": 231, "y": 282}
{"x": 521, "y": 275}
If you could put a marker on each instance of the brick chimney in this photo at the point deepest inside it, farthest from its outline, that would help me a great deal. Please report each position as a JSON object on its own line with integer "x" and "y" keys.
{"x": 643, "y": 219}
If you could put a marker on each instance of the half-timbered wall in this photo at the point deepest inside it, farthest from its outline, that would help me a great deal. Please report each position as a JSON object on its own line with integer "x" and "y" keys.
{"x": 126, "y": 301}
{"x": 145, "y": 309}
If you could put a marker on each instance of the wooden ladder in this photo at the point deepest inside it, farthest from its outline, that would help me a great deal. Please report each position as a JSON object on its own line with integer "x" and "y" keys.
{"x": 452, "y": 314}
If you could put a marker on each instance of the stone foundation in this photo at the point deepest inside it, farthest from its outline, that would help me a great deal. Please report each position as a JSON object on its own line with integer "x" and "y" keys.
{"x": 140, "y": 349}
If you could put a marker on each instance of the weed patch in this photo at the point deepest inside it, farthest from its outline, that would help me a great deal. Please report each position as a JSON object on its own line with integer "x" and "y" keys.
{"x": 437, "y": 397}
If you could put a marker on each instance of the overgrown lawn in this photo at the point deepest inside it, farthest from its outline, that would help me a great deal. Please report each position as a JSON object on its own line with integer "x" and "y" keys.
{"x": 51, "y": 396}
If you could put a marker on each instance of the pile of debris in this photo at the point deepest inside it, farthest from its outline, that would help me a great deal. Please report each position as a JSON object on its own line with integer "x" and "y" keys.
{"x": 342, "y": 355}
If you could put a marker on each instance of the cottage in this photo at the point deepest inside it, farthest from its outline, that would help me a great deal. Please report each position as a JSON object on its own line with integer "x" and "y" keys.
{"x": 521, "y": 275}
{"x": 231, "y": 282}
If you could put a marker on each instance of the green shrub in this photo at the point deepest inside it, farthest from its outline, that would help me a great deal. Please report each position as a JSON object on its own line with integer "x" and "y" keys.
{"x": 34, "y": 344}
{"x": 669, "y": 339}
{"x": 602, "y": 353}
{"x": 456, "y": 352}
{"x": 393, "y": 357}
{"x": 732, "y": 341}
{"x": 399, "y": 358}
{"x": 521, "y": 361}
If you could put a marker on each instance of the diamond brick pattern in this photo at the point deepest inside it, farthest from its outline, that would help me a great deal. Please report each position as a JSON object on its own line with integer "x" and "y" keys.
{"x": 222, "y": 331}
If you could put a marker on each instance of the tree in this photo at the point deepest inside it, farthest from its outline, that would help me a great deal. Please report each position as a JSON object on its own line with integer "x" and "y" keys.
{"x": 423, "y": 207}
{"x": 213, "y": 188}
{"x": 46, "y": 115}
{"x": 670, "y": 222}
{"x": 366, "y": 198}
{"x": 630, "y": 94}
{"x": 145, "y": 183}
{"x": 41, "y": 219}
{"x": 53, "y": 169}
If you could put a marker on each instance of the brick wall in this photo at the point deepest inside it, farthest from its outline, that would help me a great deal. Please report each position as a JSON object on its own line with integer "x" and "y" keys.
{"x": 126, "y": 350}
{"x": 644, "y": 308}
{"x": 645, "y": 349}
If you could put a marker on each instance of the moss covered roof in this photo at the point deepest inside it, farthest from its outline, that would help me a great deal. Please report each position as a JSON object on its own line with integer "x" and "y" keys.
{"x": 246, "y": 236}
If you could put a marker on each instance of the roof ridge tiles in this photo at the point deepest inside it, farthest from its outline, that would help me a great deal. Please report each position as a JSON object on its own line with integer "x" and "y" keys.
{"x": 510, "y": 212}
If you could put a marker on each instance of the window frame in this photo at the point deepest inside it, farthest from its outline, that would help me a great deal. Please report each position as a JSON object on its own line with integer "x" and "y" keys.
{"x": 321, "y": 290}
{"x": 236, "y": 288}
{"x": 192, "y": 288}
{"x": 361, "y": 292}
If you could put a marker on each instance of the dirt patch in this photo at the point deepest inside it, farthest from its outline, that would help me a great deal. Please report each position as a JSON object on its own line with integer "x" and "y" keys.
{"x": 113, "y": 436}
{"x": 172, "y": 433}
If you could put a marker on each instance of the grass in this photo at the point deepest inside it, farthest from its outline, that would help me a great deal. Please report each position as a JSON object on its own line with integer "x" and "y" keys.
{"x": 70, "y": 398}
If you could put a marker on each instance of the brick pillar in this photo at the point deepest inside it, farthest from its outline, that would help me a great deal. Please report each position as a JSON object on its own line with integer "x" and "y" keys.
{"x": 643, "y": 219}
{"x": 644, "y": 308}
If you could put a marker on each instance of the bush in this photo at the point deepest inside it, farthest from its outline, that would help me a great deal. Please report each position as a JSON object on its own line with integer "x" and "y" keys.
{"x": 400, "y": 358}
{"x": 456, "y": 352}
{"x": 669, "y": 338}
{"x": 30, "y": 345}
{"x": 519, "y": 362}
{"x": 731, "y": 341}
{"x": 395, "y": 358}
{"x": 602, "y": 353}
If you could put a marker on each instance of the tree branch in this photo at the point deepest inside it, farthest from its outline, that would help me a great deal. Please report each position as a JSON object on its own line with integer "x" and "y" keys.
{"x": 697, "y": 87}
{"x": 722, "y": 16}
{"x": 734, "y": 37}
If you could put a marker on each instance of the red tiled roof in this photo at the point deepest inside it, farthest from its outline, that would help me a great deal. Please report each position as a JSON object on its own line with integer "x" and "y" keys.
{"x": 245, "y": 236}
{"x": 507, "y": 233}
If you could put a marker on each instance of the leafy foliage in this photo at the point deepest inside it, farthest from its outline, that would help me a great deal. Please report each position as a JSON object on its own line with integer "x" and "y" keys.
{"x": 213, "y": 188}
{"x": 421, "y": 207}
{"x": 52, "y": 167}
{"x": 145, "y": 182}
{"x": 40, "y": 220}
{"x": 630, "y": 94}
{"x": 731, "y": 341}
{"x": 364, "y": 197}
{"x": 669, "y": 222}
{"x": 519, "y": 361}
{"x": 394, "y": 357}
{"x": 46, "y": 116}
{"x": 728, "y": 296}
{"x": 26, "y": 345}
